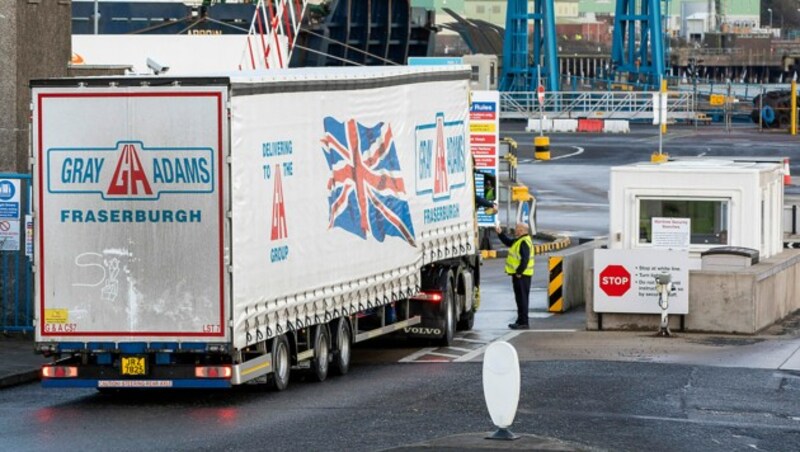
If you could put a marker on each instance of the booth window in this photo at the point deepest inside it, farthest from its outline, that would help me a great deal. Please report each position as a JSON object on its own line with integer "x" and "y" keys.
{"x": 709, "y": 218}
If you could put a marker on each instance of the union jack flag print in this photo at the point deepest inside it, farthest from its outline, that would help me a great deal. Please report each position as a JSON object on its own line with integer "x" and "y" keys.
{"x": 366, "y": 187}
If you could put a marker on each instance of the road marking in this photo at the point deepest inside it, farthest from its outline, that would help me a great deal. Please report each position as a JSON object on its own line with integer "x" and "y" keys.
{"x": 477, "y": 352}
{"x": 459, "y": 349}
{"x": 474, "y": 341}
{"x": 446, "y": 355}
{"x": 469, "y": 354}
{"x": 418, "y": 354}
{"x": 578, "y": 152}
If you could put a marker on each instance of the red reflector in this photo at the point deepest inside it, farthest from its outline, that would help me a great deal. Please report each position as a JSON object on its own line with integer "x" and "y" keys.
{"x": 59, "y": 371}
{"x": 433, "y": 297}
{"x": 213, "y": 372}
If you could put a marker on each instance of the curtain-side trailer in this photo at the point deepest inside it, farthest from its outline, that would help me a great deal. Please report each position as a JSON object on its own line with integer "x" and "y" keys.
{"x": 216, "y": 231}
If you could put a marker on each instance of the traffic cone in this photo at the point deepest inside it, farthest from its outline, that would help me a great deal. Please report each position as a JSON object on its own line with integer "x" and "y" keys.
{"x": 787, "y": 176}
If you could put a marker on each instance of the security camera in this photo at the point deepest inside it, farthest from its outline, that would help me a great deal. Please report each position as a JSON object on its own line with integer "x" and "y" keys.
{"x": 156, "y": 68}
{"x": 663, "y": 279}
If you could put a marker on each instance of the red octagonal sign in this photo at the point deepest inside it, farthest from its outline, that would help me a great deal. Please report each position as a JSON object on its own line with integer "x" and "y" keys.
{"x": 615, "y": 280}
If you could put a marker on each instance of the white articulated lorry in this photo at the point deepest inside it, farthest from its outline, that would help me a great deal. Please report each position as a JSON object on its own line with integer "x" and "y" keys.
{"x": 210, "y": 232}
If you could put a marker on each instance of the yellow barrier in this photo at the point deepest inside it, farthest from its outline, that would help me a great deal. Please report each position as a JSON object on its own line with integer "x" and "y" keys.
{"x": 555, "y": 288}
{"x": 541, "y": 146}
{"x": 520, "y": 193}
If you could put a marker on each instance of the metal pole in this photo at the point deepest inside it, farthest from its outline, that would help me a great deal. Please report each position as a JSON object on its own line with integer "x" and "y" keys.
{"x": 661, "y": 118}
{"x": 727, "y": 110}
{"x": 96, "y": 16}
{"x": 794, "y": 108}
{"x": 541, "y": 107}
{"x": 760, "y": 108}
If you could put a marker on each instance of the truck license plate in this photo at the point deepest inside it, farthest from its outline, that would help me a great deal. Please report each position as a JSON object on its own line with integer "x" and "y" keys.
{"x": 134, "y": 365}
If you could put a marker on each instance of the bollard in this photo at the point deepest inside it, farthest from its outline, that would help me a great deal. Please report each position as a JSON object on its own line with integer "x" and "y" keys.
{"x": 501, "y": 386}
{"x": 658, "y": 157}
{"x": 665, "y": 289}
{"x": 541, "y": 147}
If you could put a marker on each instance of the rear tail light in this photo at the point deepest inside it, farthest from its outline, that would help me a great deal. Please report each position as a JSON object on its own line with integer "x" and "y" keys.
{"x": 59, "y": 371}
{"x": 430, "y": 295}
{"x": 213, "y": 372}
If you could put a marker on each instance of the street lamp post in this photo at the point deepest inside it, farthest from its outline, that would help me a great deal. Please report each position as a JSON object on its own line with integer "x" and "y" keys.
{"x": 769, "y": 10}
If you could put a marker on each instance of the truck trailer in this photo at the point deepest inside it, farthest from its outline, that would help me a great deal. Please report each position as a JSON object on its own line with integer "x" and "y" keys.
{"x": 226, "y": 230}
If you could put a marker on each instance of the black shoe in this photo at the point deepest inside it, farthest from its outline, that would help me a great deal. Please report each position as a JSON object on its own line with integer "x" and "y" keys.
{"x": 517, "y": 326}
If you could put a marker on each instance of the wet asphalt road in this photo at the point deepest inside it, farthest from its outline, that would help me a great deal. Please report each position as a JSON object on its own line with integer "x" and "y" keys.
{"x": 602, "y": 405}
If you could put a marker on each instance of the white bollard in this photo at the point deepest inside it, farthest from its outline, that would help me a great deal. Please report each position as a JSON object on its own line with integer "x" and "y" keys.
{"x": 501, "y": 383}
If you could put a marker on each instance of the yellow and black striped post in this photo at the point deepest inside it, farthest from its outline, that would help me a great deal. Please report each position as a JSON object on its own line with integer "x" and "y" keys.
{"x": 555, "y": 292}
{"x": 541, "y": 148}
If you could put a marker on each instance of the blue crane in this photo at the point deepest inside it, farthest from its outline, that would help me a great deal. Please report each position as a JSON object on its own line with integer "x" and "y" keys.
{"x": 522, "y": 68}
{"x": 640, "y": 55}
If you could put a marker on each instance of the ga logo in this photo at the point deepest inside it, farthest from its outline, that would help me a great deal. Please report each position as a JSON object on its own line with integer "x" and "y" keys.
{"x": 130, "y": 170}
{"x": 440, "y": 157}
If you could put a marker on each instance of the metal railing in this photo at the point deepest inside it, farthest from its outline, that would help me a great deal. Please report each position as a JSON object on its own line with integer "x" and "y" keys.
{"x": 741, "y": 91}
{"x": 594, "y": 104}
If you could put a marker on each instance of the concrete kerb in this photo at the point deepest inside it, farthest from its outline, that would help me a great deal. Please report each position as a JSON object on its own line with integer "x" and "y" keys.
{"x": 18, "y": 362}
{"x": 19, "y": 378}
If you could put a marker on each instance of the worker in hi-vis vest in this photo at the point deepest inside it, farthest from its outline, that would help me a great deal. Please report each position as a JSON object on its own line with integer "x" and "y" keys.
{"x": 519, "y": 264}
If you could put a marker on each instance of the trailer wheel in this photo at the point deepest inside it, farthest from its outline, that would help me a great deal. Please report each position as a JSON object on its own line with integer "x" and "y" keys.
{"x": 281, "y": 367}
{"x": 467, "y": 321}
{"x": 449, "y": 314}
{"x": 344, "y": 339}
{"x": 322, "y": 353}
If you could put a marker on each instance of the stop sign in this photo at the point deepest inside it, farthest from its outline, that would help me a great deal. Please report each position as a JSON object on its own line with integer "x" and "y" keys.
{"x": 615, "y": 280}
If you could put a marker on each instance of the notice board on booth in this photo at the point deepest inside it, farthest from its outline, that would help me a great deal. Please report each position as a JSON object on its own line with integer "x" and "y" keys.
{"x": 624, "y": 280}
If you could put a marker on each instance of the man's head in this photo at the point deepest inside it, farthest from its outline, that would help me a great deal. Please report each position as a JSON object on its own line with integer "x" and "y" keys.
{"x": 521, "y": 229}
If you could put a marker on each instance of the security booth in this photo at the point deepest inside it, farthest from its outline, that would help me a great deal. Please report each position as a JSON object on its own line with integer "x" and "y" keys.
{"x": 726, "y": 202}
{"x": 725, "y": 216}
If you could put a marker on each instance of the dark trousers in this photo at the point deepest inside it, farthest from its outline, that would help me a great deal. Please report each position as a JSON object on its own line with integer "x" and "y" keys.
{"x": 522, "y": 289}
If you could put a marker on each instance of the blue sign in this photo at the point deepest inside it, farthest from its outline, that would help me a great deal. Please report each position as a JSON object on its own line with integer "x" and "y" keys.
{"x": 9, "y": 210}
{"x": 7, "y": 190}
{"x": 9, "y": 199}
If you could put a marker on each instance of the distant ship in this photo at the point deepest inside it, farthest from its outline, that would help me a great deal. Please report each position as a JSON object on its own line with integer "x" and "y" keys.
{"x": 334, "y": 33}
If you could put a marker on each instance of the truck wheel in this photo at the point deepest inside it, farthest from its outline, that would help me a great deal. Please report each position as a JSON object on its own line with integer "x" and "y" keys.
{"x": 467, "y": 321}
{"x": 322, "y": 353}
{"x": 341, "y": 361}
{"x": 281, "y": 367}
{"x": 449, "y": 314}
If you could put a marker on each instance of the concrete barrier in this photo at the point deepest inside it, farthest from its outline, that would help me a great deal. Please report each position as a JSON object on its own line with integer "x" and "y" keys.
{"x": 580, "y": 125}
{"x": 616, "y": 126}
{"x": 533, "y": 125}
{"x": 590, "y": 125}
{"x": 565, "y": 125}
{"x": 739, "y": 302}
{"x": 572, "y": 267}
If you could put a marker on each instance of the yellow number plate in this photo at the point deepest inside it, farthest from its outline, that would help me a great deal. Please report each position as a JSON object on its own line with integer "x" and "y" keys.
{"x": 134, "y": 365}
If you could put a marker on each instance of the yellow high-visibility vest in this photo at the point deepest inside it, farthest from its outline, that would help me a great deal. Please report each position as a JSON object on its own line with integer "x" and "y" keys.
{"x": 513, "y": 259}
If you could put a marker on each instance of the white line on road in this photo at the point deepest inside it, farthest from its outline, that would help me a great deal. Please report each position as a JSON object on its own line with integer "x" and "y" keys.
{"x": 459, "y": 349}
{"x": 477, "y": 352}
{"x": 578, "y": 152}
{"x": 474, "y": 341}
{"x": 419, "y": 353}
{"x": 446, "y": 355}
